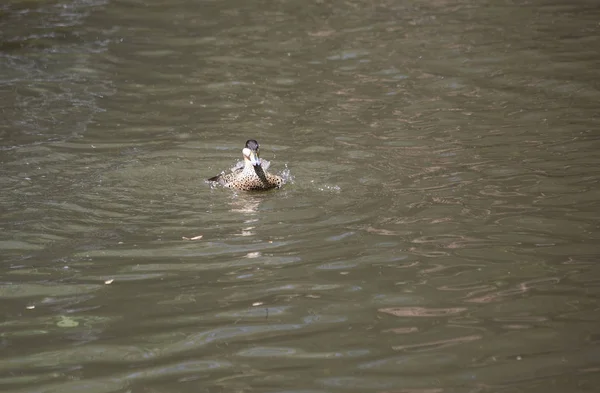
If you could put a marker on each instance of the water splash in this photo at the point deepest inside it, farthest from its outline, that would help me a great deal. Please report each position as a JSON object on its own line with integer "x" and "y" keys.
{"x": 330, "y": 188}
{"x": 287, "y": 176}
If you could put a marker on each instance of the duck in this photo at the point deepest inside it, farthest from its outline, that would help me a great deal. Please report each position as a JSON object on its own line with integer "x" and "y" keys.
{"x": 251, "y": 174}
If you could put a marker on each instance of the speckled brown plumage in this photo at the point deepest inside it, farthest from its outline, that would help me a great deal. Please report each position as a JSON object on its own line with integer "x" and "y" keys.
{"x": 252, "y": 176}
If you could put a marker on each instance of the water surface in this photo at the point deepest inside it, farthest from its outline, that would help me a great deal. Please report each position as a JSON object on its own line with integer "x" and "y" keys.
{"x": 438, "y": 232}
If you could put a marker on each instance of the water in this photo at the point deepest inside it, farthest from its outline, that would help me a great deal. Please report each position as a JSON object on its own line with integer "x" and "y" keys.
{"x": 439, "y": 232}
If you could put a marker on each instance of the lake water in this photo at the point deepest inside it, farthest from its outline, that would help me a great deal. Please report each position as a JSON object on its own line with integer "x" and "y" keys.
{"x": 439, "y": 231}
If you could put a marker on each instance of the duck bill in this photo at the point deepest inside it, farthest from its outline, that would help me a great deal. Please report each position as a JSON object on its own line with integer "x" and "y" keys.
{"x": 253, "y": 157}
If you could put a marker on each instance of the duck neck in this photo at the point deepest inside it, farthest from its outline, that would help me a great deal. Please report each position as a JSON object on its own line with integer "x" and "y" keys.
{"x": 260, "y": 173}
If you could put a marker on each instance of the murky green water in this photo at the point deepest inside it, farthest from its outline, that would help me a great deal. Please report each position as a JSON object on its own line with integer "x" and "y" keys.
{"x": 440, "y": 232}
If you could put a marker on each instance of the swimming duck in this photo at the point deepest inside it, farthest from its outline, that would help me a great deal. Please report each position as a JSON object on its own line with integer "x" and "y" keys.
{"x": 249, "y": 175}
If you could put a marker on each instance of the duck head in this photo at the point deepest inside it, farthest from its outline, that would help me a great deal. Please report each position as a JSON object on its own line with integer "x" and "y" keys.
{"x": 251, "y": 153}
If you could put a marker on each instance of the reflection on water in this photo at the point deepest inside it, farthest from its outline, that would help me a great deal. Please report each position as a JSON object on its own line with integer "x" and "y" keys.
{"x": 247, "y": 204}
{"x": 438, "y": 230}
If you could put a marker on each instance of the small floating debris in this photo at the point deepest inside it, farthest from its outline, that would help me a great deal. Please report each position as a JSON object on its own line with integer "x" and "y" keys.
{"x": 30, "y": 307}
{"x": 67, "y": 322}
{"x": 108, "y": 282}
{"x": 255, "y": 304}
{"x": 192, "y": 238}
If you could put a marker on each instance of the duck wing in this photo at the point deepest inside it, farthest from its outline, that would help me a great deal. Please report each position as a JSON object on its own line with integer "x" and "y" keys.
{"x": 215, "y": 178}
{"x": 238, "y": 165}
{"x": 265, "y": 164}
